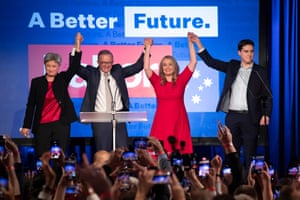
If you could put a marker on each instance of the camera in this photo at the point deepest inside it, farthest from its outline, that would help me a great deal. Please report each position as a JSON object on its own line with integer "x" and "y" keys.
{"x": 70, "y": 168}
{"x": 140, "y": 143}
{"x": 55, "y": 150}
{"x": 161, "y": 177}
{"x": 203, "y": 168}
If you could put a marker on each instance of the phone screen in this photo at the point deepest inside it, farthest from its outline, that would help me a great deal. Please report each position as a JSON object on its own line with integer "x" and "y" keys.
{"x": 177, "y": 162}
{"x": 55, "y": 150}
{"x": 226, "y": 170}
{"x": 70, "y": 168}
{"x": 259, "y": 163}
{"x": 293, "y": 171}
{"x": 3, "y": 185}
{"x": 271, "y": 171}
{"x": 161, "y": 178}
{"x": 38, "y": 165}
{"x": 203, "y": 169}
{"x": 141, "y": 143}
{"x": 71, "y": 190}
{"x": 2, "y": 150}
{"x": 129, "y": 155}
{"x": 124, "y": 180}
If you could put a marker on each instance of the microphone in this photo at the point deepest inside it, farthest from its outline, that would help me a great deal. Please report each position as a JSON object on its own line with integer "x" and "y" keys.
{"x": 112, "y": 98}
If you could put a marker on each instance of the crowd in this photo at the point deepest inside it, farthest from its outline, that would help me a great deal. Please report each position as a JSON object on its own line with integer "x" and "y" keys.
{"x": 143, "y": 171}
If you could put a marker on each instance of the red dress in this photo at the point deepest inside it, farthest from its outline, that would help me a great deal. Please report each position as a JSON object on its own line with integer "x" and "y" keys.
{"x": 171, "y": 118}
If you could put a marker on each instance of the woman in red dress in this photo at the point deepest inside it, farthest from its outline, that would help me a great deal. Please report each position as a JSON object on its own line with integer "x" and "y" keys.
{"x": 171, "y": 118}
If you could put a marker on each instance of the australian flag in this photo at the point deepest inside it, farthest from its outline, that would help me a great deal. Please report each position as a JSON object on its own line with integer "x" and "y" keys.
{"x": 202, "y": 92}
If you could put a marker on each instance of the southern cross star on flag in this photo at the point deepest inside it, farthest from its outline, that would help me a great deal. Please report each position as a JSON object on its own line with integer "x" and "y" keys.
{"x": 202, "y": 91}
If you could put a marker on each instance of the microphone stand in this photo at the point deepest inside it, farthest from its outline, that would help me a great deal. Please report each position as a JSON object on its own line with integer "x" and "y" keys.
{"x": 113, "y": 112}
{"x": 264, "y": 134}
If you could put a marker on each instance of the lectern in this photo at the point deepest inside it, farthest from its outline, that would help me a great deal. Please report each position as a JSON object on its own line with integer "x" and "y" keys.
{"x": 113, "y": 117}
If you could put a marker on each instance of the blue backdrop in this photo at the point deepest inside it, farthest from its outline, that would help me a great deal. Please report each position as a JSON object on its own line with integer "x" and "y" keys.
{"x": 54, "y": 22}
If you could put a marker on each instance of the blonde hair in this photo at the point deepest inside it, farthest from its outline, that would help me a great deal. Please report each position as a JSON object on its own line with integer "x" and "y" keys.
{"x": 176, "y": 70}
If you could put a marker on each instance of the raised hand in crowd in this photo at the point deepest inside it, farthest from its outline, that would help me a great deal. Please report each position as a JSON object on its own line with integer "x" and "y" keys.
{"x": 49, "y": 173}
{"x": 176, "y": 188}
{"x": 101, "y": 158}
{"x": 251, "y": 176}
{"x": 162, "y": 158}
{"x": 62, "y": 185}
{"x": 156, "y": 145}
{"x": 262, "y": 179}
{"x": 232, "y": 157}
{"x": 8, "y": 162}
{"x": 11, "y": 146}
{"x": 8, "y": 194}
{"x": 225, "y": 138}
{"x": 145, "y": 177}
{"x": 115, "y": 160}
{"x": 216, "y": 163}
{"x": 197, "y": 187}
{"x": 145, "y": 159}
{"x": 94, "y": 178}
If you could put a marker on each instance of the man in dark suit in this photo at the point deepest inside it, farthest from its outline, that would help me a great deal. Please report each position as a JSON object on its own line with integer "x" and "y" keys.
{"x": 246, "y": 96}
{"x": 99, "y": 98}
{"x": 49, "y": 110}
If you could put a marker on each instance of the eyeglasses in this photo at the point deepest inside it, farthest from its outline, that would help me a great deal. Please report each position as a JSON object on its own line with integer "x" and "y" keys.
{"x": 105, "y": 63}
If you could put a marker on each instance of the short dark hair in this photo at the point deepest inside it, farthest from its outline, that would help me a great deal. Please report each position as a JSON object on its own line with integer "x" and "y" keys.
{"x": 244, "y": 42}
{"x": 105, "y": 52}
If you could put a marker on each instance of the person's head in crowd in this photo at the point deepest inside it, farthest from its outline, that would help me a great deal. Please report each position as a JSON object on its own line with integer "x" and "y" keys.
{"x": 243, "y": 197}
{"x": 201, "y": 194}
{"x": 296, "y": 195}
{"x": 286, "y": 192}
{"x": 247, "y": 190}
{"x": 101, "y": 158}
{"x": 223, "y": 197}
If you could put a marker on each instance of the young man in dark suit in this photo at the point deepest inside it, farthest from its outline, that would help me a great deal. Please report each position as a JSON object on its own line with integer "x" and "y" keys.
{"x": 246, "y": 96}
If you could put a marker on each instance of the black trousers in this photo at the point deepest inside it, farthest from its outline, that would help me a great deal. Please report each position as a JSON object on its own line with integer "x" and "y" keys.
{"x": 49, "y": 132}
{"x": 244, "y": 134}
{"x": 103, "y": 136}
